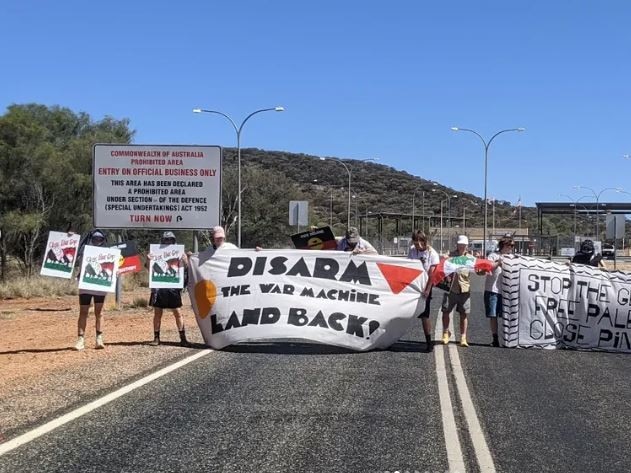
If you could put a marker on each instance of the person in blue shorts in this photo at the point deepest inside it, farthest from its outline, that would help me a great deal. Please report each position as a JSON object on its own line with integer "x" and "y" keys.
{"x": 492, "y": 291}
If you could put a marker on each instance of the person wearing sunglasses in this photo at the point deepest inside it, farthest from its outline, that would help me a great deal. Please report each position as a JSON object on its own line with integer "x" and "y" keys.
{"x": 167, "y": 298}
{"x": 492, "y": 292}
{"x": 95, "y": 238}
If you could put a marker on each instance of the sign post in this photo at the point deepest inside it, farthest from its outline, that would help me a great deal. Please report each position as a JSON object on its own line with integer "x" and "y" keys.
{"x": 156, "y": 186}
{"x": 298, "y": 213}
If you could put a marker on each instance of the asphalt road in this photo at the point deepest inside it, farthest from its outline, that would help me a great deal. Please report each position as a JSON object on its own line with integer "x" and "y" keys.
{"x": 306, "y": 408}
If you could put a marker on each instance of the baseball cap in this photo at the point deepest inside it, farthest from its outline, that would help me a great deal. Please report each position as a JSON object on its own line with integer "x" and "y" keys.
{"x": 97, "y": 234}
{"x": 167, "y": 235}
{"x": 218, "y": 232}
{"x": 462, "y": 240}
{"x": 352, "y": 235}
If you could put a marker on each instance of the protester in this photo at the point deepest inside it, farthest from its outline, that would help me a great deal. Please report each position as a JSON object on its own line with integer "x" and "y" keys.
{"x": 586, "y": 255}
{"x": 354, "y": 243}
{"x": 167, "y": 298}
{"x": 492, "y": 294}
{"x": 218, "y": 238}
{"x": 428, "y": 256}
{"x": 458, "y": 296}
{"x": 94, "y": 238}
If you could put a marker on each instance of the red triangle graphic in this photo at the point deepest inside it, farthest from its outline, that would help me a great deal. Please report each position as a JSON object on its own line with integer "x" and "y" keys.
{"x": 398, "y": 277}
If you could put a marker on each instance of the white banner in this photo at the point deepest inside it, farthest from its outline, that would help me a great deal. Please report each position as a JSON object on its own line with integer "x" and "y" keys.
{"x": 99, "y": 268}
{"x": 166, "y": 269}
{"x": 59, "y": 255}
{"x": 148, "y": 186}
{"x": 353, "y": 301}
{"x": 551, "y": 305}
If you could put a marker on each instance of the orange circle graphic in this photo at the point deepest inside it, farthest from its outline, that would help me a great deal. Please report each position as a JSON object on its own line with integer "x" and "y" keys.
{"x": 205, "y": 296}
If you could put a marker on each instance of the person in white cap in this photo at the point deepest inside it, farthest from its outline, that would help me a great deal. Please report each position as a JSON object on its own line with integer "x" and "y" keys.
{"x": 96, "y": 237}
{"x": 218, "y": 238}
{"x": 458, "y": 296}
{"x": 167, "y": 298}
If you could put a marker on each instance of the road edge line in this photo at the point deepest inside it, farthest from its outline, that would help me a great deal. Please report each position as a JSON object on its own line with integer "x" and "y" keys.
{"x": 80, "y": 411}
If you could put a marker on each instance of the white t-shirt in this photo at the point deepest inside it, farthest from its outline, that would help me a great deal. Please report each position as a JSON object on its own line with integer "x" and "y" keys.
{"x": 429, "y": 256}
{"x": 491, "y": 279}
{"x": 226, "y": 245}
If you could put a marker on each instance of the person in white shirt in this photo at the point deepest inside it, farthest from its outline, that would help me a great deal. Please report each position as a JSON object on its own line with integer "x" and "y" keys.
{"x": 492, "y": 293}
{"x": 218, "y": 237}
{"x": 354, "y": 243}
{"x": 420, "y": 250}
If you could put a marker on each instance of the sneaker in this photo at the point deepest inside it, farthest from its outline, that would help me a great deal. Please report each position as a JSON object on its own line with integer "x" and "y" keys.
{"x": 80, "y": 345}
{"x": 463, "y": 341}
{"x": 446, "y": 337}
{"x": 185, "y": 343}
{"x": 155, "y": 342}
{"x": 99, "y": 342}
{"x": 429, "y": 346}
{"x": 495, "y": 343}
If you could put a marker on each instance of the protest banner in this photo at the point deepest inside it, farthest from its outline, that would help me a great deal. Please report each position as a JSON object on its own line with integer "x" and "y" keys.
{"x": 353, "y": 301}
{"x": 550, "y": 305}
{"x": 166, "y": 269}
{"x": 99, "y": 268}
{"x": 60, "y": 254}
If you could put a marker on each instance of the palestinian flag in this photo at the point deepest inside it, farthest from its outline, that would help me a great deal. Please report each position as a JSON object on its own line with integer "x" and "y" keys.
{"x": 449, "y": 266}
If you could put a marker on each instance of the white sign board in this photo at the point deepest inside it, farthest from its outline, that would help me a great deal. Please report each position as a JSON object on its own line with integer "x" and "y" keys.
{"x": 167, "y": 268}
{"x": 298, "y": 212}
{"x": 157, "y": 186}
{"x": 59, "y": 256}
{"x": 99, "y": 268}
{"x": 615, "y": 226}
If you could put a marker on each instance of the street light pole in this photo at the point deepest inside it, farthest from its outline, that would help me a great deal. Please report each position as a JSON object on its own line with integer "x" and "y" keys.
{"x": 238, "y": 131}
{"x": 348, "y": 217}
{"x": 617, "y": 189}
{"x": 414, "y": 210}
{"x": 486, "y": 156}
{"x": 575, "y": 204}
{"x": 441, "y": 212}
{"x": 348, "y": 170}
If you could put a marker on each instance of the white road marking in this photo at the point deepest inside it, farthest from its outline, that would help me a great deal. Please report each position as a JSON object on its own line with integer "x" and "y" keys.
{"x": 482, "y": 453}
{"x": 454, "y": 451}
{"x": 452, "y": 442}
{"x": 53, "y": 424}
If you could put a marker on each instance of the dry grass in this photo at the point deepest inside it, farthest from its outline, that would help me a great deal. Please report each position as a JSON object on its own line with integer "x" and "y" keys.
{"x": 37, "y": 286}
{"x": 139, "y": 303}
{"x": 20, "y": 287}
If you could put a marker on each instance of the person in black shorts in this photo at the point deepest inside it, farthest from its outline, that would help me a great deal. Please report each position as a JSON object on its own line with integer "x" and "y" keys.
{"x": 163, "y": 298}
{"x": 94, "y": 238}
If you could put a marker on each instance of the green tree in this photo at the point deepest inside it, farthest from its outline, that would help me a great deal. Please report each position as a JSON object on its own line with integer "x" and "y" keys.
{"x": 46, "y": 175}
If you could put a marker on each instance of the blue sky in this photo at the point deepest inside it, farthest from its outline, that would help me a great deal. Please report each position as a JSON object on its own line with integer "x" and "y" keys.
{"x": 358, "y": 79}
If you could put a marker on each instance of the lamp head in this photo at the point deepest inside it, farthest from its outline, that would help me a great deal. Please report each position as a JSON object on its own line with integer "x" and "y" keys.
{"x": 279, "y": 109}
{"x": 521, "y": 129}
{"x": 455, "y": 128}
{"x": 197, "y": 110}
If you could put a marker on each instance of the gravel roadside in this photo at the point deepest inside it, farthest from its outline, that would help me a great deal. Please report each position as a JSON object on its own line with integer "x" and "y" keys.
{"x": 42, "y": 376}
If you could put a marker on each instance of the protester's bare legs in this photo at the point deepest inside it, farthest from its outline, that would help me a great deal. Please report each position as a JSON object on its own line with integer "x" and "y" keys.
{"x": 98, "y": 315}
{"x": 179, "y": 319}
{"x": 427, "y": 325}
{"x": 493, "y": 323}
{"x": 83, "y": 319}
{"x": 464, "y": 324}
{"x": 157, "y": 318}
{"x": 446, "y": 321}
